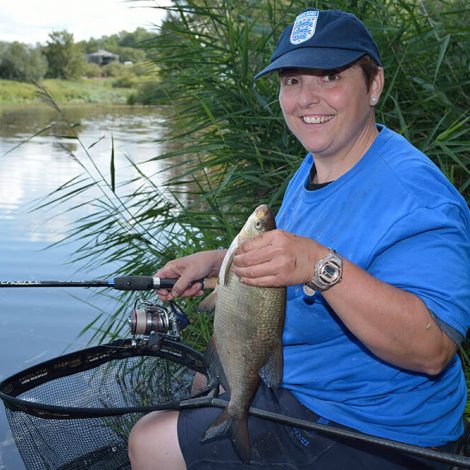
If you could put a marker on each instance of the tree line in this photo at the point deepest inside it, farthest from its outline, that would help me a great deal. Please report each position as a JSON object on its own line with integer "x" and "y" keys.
{"x": 62, "y": 57}
{"x": 226, "y": 145}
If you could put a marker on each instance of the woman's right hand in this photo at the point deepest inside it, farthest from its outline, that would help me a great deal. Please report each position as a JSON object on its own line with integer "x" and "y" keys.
{"x": 188, "y": 269}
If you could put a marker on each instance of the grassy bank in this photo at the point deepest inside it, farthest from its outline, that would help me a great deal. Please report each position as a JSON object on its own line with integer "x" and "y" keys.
{"x": 97, "y": 90}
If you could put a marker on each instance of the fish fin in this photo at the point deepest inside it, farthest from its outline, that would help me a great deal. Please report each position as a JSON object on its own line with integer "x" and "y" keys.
{"x": 214, "y": 363}
{"x": 224, "y": 273}
{"x": 228, "y": 268}
{"x": 208, "y": 304}
{"x": 236, "y": 429}
{"x": 271, "y": 372}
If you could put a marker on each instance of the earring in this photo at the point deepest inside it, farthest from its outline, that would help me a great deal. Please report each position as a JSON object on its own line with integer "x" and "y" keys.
{"x": 374, "y": 99}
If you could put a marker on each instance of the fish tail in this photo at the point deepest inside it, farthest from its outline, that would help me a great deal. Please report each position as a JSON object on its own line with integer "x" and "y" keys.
{"x": 236, "y": 429}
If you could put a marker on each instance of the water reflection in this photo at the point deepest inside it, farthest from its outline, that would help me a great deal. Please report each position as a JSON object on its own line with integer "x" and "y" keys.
{"x": 31, "y": 167}
{"x": 38, "y": 324}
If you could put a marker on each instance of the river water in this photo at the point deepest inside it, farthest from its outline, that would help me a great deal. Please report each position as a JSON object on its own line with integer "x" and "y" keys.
{"x": 37, "y": 324}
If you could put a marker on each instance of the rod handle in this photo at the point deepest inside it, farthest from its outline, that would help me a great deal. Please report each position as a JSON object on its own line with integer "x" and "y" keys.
{"x": 136, "y": 283}
{"x": 168, "y": 283}
{"x": 133, "y": 283}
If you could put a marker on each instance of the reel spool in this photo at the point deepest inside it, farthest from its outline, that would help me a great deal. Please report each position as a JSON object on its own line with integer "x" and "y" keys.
{"x": 148, "y": 319}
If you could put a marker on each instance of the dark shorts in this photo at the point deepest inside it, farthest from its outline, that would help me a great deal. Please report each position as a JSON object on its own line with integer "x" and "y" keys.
{"x": 276, "y": 446}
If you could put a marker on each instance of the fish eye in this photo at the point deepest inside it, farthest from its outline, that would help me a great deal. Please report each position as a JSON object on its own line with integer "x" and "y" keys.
{"x": 258, "y": 224}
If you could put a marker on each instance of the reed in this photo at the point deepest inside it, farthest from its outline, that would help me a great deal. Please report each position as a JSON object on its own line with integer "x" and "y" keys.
{"x": 226, "y": 143}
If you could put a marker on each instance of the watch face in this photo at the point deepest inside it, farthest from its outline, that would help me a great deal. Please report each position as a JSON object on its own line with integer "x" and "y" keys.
{"x": 329, "y": 273}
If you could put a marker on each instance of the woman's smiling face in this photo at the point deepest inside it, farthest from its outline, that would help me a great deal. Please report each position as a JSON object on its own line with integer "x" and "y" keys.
{"x": 330, "y": 113}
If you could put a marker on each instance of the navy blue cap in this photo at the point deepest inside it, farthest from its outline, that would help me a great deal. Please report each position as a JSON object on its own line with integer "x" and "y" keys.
{"x": 322, "y": 40}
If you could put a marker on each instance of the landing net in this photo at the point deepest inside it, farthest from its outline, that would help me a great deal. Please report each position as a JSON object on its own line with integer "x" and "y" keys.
{"x": 76, "y": 411}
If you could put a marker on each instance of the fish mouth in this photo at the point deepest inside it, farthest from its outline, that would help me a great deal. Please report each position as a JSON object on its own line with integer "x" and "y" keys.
{"x": 262, "y": 211}
{"x": 261, "y": 220}
{"x": 265, "y": 217}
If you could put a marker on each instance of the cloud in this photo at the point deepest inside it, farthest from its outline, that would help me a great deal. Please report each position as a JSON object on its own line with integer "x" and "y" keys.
{"x": 31, "y": 21}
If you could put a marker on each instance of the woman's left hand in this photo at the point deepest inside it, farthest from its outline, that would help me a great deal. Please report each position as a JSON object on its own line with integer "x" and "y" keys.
{"x": 276, "y": 258}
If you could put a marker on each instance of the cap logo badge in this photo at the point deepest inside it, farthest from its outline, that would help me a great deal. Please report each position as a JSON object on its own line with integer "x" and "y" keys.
{"x": 304, "y": 27}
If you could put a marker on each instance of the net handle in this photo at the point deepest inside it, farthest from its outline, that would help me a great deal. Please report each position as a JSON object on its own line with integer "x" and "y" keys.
{"x": 212, "y": 401}
{"x": 429, "y": 454}
{"x": 185, "y": 355}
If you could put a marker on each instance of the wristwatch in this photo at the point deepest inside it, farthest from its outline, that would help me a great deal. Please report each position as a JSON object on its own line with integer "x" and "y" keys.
{"x": 327, "y": 272}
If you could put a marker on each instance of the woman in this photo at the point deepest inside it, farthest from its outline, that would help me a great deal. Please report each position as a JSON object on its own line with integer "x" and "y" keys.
{"x": 374, "y": 244}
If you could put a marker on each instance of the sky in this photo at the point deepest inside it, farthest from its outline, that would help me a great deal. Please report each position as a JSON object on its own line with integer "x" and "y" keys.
{"x": 31, "y": 21}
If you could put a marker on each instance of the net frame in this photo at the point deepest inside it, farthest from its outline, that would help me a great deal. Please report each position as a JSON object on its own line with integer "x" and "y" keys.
{"x": 90, "y": 358}
{"x": 71, "y": 412}
{"x": 112, "y": 455}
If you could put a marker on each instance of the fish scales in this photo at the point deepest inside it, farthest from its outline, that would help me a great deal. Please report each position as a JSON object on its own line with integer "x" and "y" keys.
{"x": 247, "y": 337}
{"x": 244, "y": 329}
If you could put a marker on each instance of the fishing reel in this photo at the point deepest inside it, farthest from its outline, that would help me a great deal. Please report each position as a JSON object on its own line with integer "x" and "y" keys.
{"x": 149, "y": 321}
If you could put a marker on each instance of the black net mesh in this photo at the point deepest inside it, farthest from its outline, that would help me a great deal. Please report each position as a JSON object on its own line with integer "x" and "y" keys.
{"x": 90, "y": 443}
{"x": 76, "y": 411}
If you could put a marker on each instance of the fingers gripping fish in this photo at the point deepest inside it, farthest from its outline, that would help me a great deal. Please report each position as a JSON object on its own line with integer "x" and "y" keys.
{"x": 247, "y": 338}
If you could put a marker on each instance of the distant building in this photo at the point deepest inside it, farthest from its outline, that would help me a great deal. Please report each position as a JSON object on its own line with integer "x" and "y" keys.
{"x": 102, "y": 57}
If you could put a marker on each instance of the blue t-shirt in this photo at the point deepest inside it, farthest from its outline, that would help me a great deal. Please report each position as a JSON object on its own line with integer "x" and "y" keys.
{"x": 395, "y": 215}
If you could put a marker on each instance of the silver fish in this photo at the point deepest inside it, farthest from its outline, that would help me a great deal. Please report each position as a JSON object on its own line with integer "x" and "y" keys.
{"x": 247, "y": 338}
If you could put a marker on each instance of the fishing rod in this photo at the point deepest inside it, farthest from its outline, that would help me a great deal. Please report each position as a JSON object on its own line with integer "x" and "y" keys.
{"x": 152, "y": 321}
{"x": 124, "y": 283}
{"x": 147, "y": 319}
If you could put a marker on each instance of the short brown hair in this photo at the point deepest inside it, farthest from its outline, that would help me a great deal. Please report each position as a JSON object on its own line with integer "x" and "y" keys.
{"x": 369, "y": 68}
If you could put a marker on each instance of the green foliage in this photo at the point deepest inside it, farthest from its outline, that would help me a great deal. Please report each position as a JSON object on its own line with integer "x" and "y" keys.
{"x": 113, "y": 69}
{"x": 93, "y": 71}
{"x": 65, "y": 58}
{"x": 22, "y": 63}
{"x": 227, "y": 147}
{"x": 130, "y": 46}
{"x": 129, "y": 54}
{"x": 136, "y": 39}
{"x": 149, "y": 92}
{"x": 86, "y": 91}
{"x": 142, "y": 69}
{"x": 236, "y": 149}
{"x": 125, "y": 80}
{"x": 17, "y": 92}
{"x": 65, "y": 92}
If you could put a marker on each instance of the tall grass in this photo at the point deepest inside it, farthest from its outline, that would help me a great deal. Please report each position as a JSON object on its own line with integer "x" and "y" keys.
{"x": 226, "y": 143}
{"x": 65, "y": 91}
